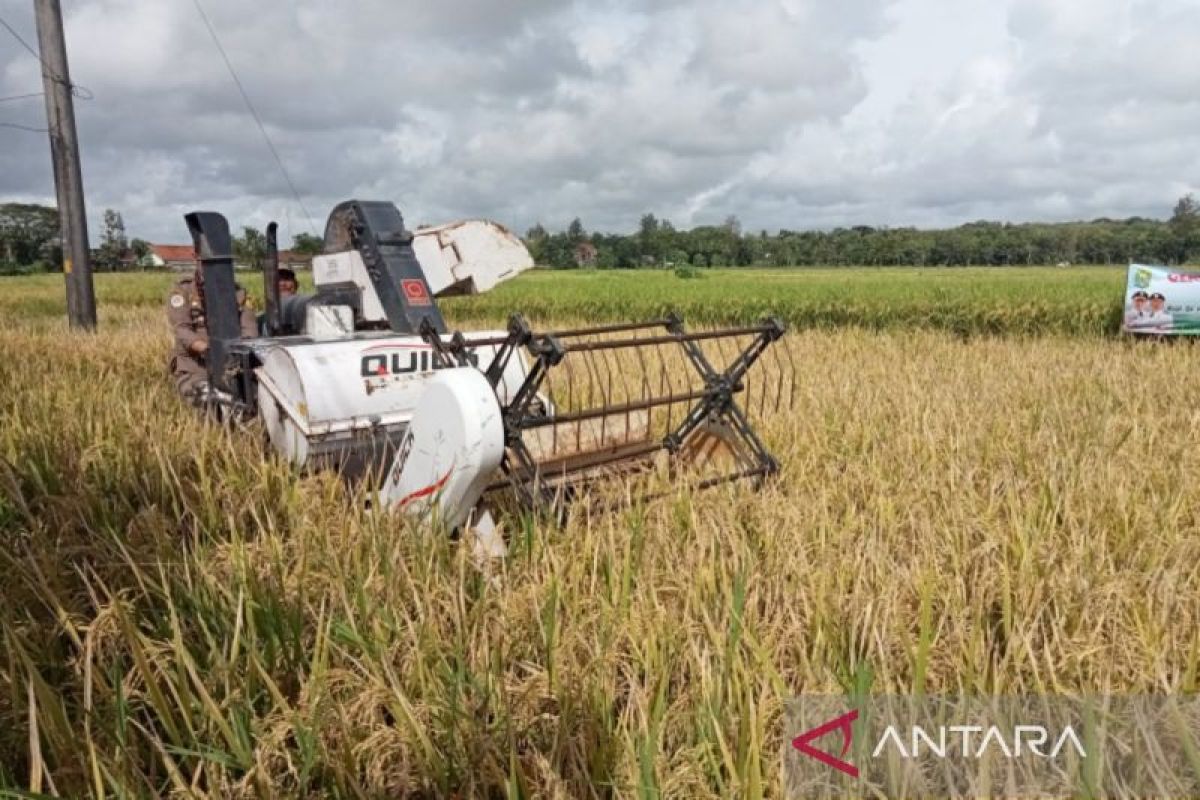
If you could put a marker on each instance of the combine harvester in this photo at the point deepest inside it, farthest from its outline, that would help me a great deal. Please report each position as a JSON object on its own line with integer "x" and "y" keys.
{"x": 364, "y": 377}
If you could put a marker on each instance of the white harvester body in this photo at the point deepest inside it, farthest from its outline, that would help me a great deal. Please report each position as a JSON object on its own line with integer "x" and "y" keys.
{"x": 451, "y": 449}
{"x": 335, "y": 396}
{"x": 466, "y": 257}
{"x": 328, "y": 401}
{"x": 469, "y": 257}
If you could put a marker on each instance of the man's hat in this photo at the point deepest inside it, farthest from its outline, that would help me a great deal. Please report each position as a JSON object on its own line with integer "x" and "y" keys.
{"x": 285, "y": 274}
{"x": 1139, "y": 294}
{"x": 1157, "y": 296}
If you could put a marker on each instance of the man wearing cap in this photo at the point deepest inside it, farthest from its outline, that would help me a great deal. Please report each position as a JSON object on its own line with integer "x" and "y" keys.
{"x": 287, "y": 282}
{"x": 285, "y": 279}
{"x": 185, "y": 314}
{"x": 1137, "y": 318}
{"x": 1160, "y": 320}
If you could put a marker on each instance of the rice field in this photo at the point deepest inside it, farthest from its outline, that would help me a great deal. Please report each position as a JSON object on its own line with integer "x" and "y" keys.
{"x": 1083, "y": 301}
{"x": 977, "y": 300}
{"x": 1011, "y": 511}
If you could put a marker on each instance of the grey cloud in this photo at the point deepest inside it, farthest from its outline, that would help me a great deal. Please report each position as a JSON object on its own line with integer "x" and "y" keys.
{"x": 541, "y": 111}
{"x": 454, "y": 109}
{"x": 1079, "y": 112}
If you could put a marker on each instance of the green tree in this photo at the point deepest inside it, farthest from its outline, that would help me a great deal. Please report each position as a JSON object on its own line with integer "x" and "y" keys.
{"x": 114, "y": 245}
{"x": 650, "y": 240}
{"x": 648, "y": 225}
{"x": 1185, "y": 228}
{"x": 535, "y": 239}
{"x": 576, "y": 232}
{"x": 251, "y": 247}
{"x": 983, "y": 243}
{"x": 306, "y": 244}
{"x": 141, "y": 251}
{"x": 29, "y": 237}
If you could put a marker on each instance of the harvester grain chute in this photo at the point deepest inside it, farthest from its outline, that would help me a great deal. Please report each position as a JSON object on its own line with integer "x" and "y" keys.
{"x": 363, "y": 376}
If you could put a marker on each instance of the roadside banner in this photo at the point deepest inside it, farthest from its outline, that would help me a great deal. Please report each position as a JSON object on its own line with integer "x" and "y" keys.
{"x": 1162, "y": 301}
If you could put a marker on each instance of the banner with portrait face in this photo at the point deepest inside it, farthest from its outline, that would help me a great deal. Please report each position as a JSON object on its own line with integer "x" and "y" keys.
{"x": 1161, "y": 301}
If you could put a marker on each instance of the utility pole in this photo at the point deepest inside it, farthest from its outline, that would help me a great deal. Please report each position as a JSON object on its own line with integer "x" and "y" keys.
{"x": 64, "y": 153}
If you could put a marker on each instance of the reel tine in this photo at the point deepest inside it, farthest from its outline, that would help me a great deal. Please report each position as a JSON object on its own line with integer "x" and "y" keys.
{"x": 569, "y": 371}
{"x": 572, "y": 404}
{"x": 786, "y": 374}
{"x": 608, "y": 391}
{"x": 755, "y": 391}
{"x": 596, "y": 385}
{"x": 793, "y": 380}
{"x": 664, "y": 383}
{"x": 768, "y": 372}
{"x": 626, "y": 397}
{"x": 645, "y": 372}
{"x": 760, "y": 379}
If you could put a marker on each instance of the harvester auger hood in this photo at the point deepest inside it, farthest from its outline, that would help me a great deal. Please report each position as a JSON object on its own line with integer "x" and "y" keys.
{"x": 363, "y": 376}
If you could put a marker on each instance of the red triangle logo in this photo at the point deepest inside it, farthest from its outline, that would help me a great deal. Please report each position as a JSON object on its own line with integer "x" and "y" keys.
{"x": 845, "y": 724}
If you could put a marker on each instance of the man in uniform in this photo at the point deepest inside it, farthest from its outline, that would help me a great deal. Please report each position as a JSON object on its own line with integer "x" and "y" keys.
{"x": 185, "y": 313}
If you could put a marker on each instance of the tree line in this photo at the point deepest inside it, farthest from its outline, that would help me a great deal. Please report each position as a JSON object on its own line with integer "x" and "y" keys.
{"x": 657, "y": 243}
{"x": 30, "y": 242}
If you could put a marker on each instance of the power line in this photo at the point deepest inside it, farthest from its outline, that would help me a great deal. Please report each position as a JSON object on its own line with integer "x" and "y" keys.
{"x": 81, "y": 92}
{"x": 24, "y": 43}
{"x": 254, "y": 113}
{"x": 21, "y": 96}
{"x": 23, "y": 127}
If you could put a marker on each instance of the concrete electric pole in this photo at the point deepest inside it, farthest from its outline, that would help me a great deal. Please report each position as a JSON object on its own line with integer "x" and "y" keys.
{"x": 64, "y": 153}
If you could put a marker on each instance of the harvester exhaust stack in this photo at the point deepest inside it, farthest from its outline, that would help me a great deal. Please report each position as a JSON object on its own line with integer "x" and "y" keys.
{"x": 214, "y": 250}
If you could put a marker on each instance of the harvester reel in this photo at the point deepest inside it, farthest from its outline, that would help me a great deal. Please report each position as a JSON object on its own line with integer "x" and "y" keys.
{"x": 620, "y": 401}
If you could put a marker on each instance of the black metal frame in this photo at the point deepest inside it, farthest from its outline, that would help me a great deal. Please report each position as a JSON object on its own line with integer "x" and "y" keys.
{"x": 214, "y": 250}
{"x": 715, "y": 402}
{"x": 271, "y": 282}
{"x": 376, "y": 229}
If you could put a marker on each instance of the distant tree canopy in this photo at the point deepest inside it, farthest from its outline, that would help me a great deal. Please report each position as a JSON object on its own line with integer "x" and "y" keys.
{"x": 114, "y": 251}
{"x": 29, "y": 241}
{"x": 1102, "y": 241}
{"x": 29, "y": 238}
{"x": 306, "y": 244}
{"x": 251, "y": 247}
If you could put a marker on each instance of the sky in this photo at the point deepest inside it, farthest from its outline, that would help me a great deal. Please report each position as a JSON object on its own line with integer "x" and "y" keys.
{"x": 797, "y": 114}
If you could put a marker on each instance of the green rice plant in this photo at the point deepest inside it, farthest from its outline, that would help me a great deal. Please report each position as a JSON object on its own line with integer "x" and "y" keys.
{"x": 1080, "y": 301}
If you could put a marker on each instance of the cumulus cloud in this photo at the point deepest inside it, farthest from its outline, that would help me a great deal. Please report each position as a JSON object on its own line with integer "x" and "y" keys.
{"x": 788, "y": 113}
{"x": 1066, "y": 110}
